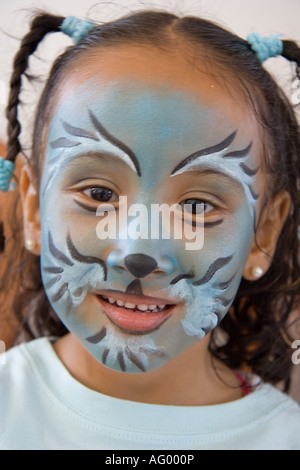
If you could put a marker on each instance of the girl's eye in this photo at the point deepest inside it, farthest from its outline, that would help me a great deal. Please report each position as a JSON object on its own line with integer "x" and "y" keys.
{"x": 100, "y": 194}
{"x": 194, "y": 206}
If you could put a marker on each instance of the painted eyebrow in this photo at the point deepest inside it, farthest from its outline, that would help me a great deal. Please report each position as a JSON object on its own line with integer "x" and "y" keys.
{"x": 65, "y": 142}
{"x": 222, "y": 146}
{"x": 116, "y": 142}
{"x": 227, "y": 179}
{"x": 82, "y": 162}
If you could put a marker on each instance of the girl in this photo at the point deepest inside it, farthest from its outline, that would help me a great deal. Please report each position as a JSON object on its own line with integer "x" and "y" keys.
{"x": 153, "y": 109}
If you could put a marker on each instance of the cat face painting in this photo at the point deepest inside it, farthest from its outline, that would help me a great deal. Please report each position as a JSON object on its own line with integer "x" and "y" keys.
{"x": 136, "y": 303}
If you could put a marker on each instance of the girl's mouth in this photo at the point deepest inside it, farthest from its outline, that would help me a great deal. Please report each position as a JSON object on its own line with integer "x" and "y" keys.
{"x": 134, "y": 315}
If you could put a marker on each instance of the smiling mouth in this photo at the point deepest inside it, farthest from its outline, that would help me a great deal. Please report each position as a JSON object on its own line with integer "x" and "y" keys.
{"x": 133, "y": 314}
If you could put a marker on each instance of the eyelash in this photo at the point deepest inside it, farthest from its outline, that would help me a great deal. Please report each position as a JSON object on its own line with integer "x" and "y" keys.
{"x": 203, "y": 202}
{"x": 102, "y": 188}
{"x": 87, "y": 192}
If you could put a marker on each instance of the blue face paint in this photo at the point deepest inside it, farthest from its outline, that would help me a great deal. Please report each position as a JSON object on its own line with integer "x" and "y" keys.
{"x": 154, "y": 146}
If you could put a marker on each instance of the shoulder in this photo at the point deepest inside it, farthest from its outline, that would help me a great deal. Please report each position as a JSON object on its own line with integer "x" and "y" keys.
{"x": 18, "y": 361}
{"x": 276, "y": 417}
{"x": 19, "y": 381}
{"x": 18, "y": 368}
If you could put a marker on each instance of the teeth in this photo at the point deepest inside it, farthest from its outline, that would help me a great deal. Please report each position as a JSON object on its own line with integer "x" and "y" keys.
{"x": 129, "y": 305}
{"x": 142, "y": 307}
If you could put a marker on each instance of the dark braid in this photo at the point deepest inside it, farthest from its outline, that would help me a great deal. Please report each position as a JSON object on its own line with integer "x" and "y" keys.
{"x": 40, "y": 27}
{"x": 291, "y": 52}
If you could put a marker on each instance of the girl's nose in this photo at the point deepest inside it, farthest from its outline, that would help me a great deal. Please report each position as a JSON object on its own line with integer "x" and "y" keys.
{"x": 140, "y": 265}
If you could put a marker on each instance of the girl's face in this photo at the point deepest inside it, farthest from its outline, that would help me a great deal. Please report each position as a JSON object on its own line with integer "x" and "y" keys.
{"x": 135, "y": 131}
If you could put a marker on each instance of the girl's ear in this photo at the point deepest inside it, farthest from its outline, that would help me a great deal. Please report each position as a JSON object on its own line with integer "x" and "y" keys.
{"x": 267, "y": 233}
{"x": 31, "y": 211}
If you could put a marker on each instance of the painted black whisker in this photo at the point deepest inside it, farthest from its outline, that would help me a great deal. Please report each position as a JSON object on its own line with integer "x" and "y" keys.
{"x": 97, "y": 338}
{"x": 84, "y": 259}
{"x": 77, "y": 292}
{"x": 239, "y": 153}
{"x": 182, "y": 276}
{"x": 213, "y": 268}
{"x": 63, "y": 142}
{"x": 69, "y": 303}
{"x": 52, "y": 282}
{"x": 253, "y": 194}
{"x": 63, "y": 289}
{"x": 104, "y": 355}
{"x": 224, "y": 285}
{"x": 134, "y": 359}
{"x": 248, "y": 170}
{"x": 57, "y": 253}
{"x": 53, "y": 270}
{"x": 78, "y": 132}
{"x": 121, "y": 361}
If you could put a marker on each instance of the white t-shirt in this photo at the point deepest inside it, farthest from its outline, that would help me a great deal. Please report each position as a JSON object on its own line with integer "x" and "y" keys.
{"x": 43, "y": 407}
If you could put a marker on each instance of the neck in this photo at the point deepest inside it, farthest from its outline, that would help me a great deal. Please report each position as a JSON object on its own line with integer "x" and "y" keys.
{"x": 194, "y": 378}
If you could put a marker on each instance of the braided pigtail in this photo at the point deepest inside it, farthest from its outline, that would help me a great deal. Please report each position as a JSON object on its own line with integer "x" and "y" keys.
{"x": 40, "y": 27}
{"x": 291, "y": 51}
{"x": 20, "y": 274}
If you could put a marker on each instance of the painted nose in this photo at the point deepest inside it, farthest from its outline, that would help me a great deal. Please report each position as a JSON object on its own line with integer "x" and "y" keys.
{"x": 140, "y": 265}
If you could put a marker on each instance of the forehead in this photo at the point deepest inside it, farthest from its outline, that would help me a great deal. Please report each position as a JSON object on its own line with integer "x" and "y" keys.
{"x": 159, "y": 106}
{"x": 158, "y": 71}
{"x": 151, "y": 90}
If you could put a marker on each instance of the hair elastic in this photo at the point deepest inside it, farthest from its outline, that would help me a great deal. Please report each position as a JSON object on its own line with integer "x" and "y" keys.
{"x": 265, "y": 47}
{"x": 76, "y": 28}
{"x": 7, "y": 169}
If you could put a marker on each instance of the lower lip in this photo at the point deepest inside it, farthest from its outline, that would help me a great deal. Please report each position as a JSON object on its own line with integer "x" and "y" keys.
{"x": 134, "y": 321}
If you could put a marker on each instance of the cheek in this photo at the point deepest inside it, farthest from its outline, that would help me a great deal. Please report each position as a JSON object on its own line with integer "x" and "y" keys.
{"x": 232, "y": 238}
{"x": 236, "y": 233}
{"x": 72, "y": 257}
{"x": 218, "y": 271}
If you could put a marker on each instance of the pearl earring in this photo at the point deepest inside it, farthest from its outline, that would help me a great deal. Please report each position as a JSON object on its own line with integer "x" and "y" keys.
{"x": 30, "y": 244}
{"x": 257, "y": 272}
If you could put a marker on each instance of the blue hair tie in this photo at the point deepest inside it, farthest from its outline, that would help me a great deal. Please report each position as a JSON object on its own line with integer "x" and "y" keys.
{"x": 76, "y": 28}
{"x": 266, "y": 47}
{"x": 7, "y": 169}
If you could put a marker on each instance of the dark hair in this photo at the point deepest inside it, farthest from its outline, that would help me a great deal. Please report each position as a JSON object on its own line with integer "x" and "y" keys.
{"x": 256, "y": 324}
